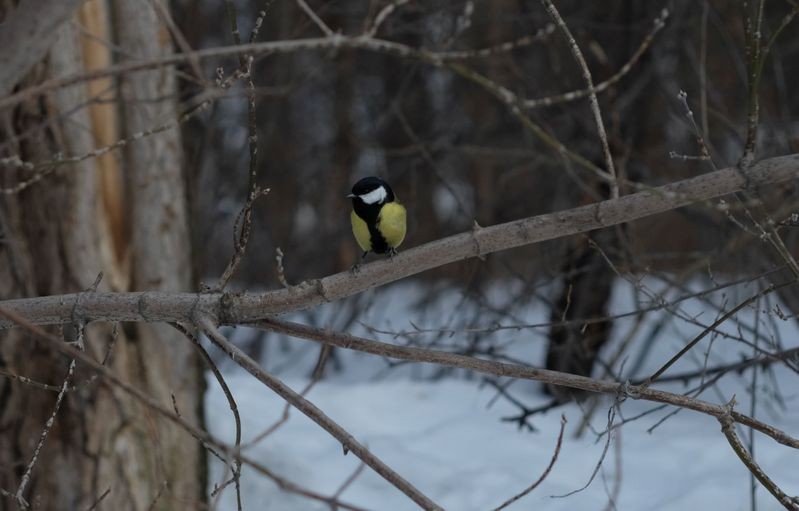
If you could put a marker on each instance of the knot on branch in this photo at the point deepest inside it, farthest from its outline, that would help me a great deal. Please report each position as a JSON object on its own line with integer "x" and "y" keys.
{"x": 476, "y": 228}
{"x": 227, "y": 307}
{"x": 626, "y": 390}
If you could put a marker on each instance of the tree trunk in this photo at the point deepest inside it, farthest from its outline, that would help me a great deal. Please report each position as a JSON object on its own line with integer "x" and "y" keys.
{"x": 57, "y": 236}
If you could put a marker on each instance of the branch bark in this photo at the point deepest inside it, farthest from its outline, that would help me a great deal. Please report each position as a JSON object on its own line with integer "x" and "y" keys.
{"x": 248, "y": 307}
{"x": 315, "y": 414}
{"x": 414, "y": 354}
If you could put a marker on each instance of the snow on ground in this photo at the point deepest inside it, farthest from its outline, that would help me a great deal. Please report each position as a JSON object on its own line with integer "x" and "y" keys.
{"x": 443, "y": 437}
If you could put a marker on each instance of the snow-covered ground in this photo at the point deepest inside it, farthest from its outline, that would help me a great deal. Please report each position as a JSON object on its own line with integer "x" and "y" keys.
{"x": 443, "y": 436}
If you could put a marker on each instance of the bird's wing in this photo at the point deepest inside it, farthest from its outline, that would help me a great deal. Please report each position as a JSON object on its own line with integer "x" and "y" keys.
{"x": 361, "y": 232}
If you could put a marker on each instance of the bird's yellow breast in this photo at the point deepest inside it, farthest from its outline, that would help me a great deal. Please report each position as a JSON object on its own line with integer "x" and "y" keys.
{"x": 392, "y": 223}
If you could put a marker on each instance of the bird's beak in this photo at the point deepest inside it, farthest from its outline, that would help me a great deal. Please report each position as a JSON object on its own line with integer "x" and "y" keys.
{"x": 351, "y": 196}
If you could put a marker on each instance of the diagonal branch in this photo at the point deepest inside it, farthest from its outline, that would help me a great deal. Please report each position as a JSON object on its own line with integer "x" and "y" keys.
{"x": 209, "y": 442}
{"x": 544, "y": 475}
{"x": 314, "y": 413}
{"x": 519, "y": 371}
{"x": 728, "y": 428}
{"x": 594, "y": 102}
{"x": 247, "y": 307}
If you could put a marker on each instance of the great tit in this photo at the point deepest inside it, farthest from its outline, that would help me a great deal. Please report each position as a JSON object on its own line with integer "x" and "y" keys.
{"x": 378, "y": 220}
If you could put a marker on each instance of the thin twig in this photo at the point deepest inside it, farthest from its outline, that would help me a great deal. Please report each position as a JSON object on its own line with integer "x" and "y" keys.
{"x": 755, "y": 54}
{"x": 728, "y": 428}
{"x": 430, "y": 356}
{"x": 209, "y": 442}
{"x": 33, "y": 383}
{"x": 315, "y": 414}
{"x": 316, "y": 19}
{"x": 242, "y": 227}
{"x": 608, "y": 439}
{"x": 542, "y": 34}
{"x": 99, "y": 499}
{"x": 544, "y": 475}
{"x": 704, "y": 153}
{"x": 26, "y": 476}
{"x": 594, "y": 102}
{"x": 158, "y": 494}
{"x": 230, "y": 399}
{"x": 45, "y": 168}
{"x": 703, "y": 69}
{"x": 284, "y": 417}
{"x": 712, "y": 327}
{"x": 281, "y": 272}
{"x": 384, "y": 13}
{"x": 347, "y": 482}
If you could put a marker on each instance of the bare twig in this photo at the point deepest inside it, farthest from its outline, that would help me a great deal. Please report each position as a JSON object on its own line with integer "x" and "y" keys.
{"x": 333, "y": 42}
{"x": 243, "y": 225}
{"x": 315, "y": 414}
{"x": 728, "y": 428}
{"x": 43, "y": 437}
{"x": 316, "y": 19}
{"x": 703, "y": 69}
{"x": 608, "y": 439}
{"x": 544, "y": 475}
{"x": 565, "y": 97}
{"x": 754, "y": 52}
{"x": 284, "y": 417}
{"x": 99, "y": 500}
{"x": 157, "y": 497}
{"x": 230, "y": 399}
{"x": 704, "y": 153}
{"x": 658, "y": 303}
{"x": 32, "y": 383}
{"x": 351, "y": 479}
{"x": 242, "y": 228}
{"x": 210, "y": 443}
{"x": 600, "y": 125}
{"x": 384, "y": 13}
{"x": 45, "y": 168}
{"x": 281, "y": 272}
{"x": 424, "y": 355}
{"x": 712, "y": 327}
{"x": 542, "y": 34}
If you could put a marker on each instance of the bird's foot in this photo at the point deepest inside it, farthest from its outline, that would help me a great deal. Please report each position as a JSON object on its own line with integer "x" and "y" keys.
{"x": 392, "y": 252}
{"x": 357, "y": 266}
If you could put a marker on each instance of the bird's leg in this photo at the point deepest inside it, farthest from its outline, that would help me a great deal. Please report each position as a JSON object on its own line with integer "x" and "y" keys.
{"x": 357, "y": 266}
{"x": 392, "y": 252}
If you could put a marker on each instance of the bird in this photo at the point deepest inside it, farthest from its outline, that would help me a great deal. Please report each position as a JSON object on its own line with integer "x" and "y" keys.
{"x": 378, "y": 219}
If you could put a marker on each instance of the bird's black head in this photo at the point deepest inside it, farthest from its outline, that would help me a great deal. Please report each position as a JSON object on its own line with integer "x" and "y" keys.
{"x": 371, "y": 191}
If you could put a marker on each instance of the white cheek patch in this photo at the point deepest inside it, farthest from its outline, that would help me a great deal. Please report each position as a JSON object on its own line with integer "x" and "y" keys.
{"x": 376, "y": 196}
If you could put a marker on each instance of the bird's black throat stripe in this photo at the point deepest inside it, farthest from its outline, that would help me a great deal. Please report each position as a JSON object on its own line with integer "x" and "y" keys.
{"x": 369, "y": 213}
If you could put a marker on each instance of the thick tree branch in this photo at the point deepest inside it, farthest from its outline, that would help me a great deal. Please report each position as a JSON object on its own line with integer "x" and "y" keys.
{"x": 249, "y": 307}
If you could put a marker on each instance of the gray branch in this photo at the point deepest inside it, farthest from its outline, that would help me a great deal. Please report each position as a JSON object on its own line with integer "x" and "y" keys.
{"x": 249, "y": 307}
